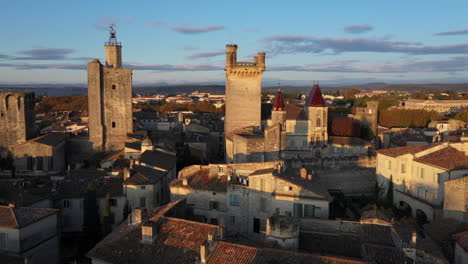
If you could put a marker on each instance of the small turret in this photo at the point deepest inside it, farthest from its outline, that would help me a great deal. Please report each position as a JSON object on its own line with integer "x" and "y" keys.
{"x": 315, "y": 98}
{"x": 113, "y": 49}
{"x": 231, "y": 55}
{"x": 279, "y": 102}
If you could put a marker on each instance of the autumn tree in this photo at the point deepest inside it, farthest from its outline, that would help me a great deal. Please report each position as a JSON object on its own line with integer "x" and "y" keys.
{"x": 407, "y": 117}
{"x": 349, "y": 93}
{"x": 345, "y": 127}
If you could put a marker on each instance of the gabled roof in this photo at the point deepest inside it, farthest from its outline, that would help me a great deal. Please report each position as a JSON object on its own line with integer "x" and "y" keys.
{"x": 144, "y": 175}
{"x": 399, "y": 151}
{"x": 448, "y": 158}
{"x": 18, "y": 217}
{"x": 279, "y": 105}
{"x": 158, "y": 159}
{"x": 315, "y": 98}
{"x": 294, "y": 112}
{"x": 202, "y": 180}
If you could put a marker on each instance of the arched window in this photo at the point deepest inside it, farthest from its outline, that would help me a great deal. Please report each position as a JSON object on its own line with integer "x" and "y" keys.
{"x": 318, "y": 122}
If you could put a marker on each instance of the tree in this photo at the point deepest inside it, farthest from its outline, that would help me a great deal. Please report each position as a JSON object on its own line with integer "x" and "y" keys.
{"x": 91, "y": 225}
{"x": 107, "y": 218}
{"x": 349, "y": 93}
{"x": 390, "y": 190}
{"x": 345, "y": 127}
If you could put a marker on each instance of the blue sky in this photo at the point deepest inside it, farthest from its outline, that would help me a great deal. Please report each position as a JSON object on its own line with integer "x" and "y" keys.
{"x": 183, "y": 41}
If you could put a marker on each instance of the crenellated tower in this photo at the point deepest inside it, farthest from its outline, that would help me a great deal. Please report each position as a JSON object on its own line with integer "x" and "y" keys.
{"x": 243, "y": 91}
{"x": 317, "y": 113}
{"x": 110, "y": 98}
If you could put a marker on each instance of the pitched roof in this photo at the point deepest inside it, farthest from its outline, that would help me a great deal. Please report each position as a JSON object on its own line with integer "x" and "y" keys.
{"x": 25, "y": 192}
{"x": 144, "y": 175}
{"x": 158, "y": 159}
{"x": 224, "y": 252}
{"x": 376, "y": 234}
{"x": 448, "y": 158}
{"x": 278, "y": 105}
{"x": 294, "y": 112}
{"x": 315, "y": 186}
{"x": 382, "y": 254}
{"x": 177, "y": 241}
{"x": 51, "y": 139}
{"x": 18, "y": 217}
{"x": 399, "y": 151}
{"x": 315, "y": 98}
{"x": 462, "y": 240}
{"x": 76, "y": 185}
{"x": 202, "y": 180}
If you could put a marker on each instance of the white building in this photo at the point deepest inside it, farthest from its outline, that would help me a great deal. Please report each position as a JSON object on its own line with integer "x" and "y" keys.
{"x": 29, "y": 233}
{"x": 418, "y": 174}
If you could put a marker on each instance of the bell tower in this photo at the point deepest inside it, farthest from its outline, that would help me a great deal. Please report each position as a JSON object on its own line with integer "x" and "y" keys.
{"x": 109, "y": 98}
{"x": 317, "y": 112}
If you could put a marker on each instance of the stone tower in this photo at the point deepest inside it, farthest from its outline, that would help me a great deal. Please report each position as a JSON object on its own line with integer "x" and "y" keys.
{"x": 373, "y": 116}
{"x": 318, "y": 117}
{"x": 243, "y": 91}
{"x": 278, "y": 113}
{"x": 16, "y": 118}
{"x": 110, "y": 99}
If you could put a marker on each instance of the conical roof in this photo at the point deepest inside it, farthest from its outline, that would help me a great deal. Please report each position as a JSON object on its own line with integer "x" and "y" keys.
{"x": 315, "y": 98}
{"x": 279, "y": 102}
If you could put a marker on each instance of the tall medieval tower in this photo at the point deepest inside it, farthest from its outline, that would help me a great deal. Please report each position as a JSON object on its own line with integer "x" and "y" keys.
{"x": 110, "y": 99}
{"x": 16, "y": 118}
{"x": 243, "y": 91}
{"x": 318, "y": 117}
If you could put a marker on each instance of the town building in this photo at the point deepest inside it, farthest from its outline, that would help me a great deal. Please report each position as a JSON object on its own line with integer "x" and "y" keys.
{"x": 440, "y": 106}
{"x": 30, "y": 234}
{"x": 16, "y": 119}
{"x": 417, "y": 175}
{"x": 109, "y": 99}
{"x": 243, "y": 196}
{"x": 456, "y": 199}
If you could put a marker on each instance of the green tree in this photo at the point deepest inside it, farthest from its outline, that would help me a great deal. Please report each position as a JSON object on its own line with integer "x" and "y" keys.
{"x": 349, "y": 93}
{"x": 91, "y": 225}
{"x": 390, "y": 190}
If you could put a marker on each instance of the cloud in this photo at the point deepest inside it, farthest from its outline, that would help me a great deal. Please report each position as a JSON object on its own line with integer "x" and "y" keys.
{"x": 451, "y": 33}
{"x": 204, "y": 55}
{"x": 454, "y": 64}
{"x": 3, "y": 56}
{"x": 293, "y": 44}
{"x": 186, "y": 29}
{"x": 45, "y": 54}
{"x": 134, "y": 66}
{"x": 357, "y": 29}
{"x": 104, "y": 22}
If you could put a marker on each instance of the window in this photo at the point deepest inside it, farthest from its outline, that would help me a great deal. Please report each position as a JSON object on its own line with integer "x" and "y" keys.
{"x": 262, "y": 185}
{"x": 389, "y": 164}
{"x": 309, "y": 210}
{"x": 234, "y": 199}
{"x": 113, "y": 202}
{"x": 142, "y": 202}
{"x": 67, "y": 204}
{"x": 213, "y": 205}
{"x": 298, "y": 210}
{"x": 318, "y": 122}
{"x": 113, "y": 87}
{"x": 263, "y": 205}
{"x": 221, "y": 169}
{"x": 3, "y": 240}
{"x": 232, "y": 220}
{"x": 113, "y": 124}
{"x": 403, "y": 168}
{"x": 421, "y": 173}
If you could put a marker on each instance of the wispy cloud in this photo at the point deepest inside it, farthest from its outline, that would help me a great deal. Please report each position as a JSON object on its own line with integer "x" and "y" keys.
{"x": 186, "y": 29}
{"x": 104, "y": 22}
{"x": 357, "y": 29}
{"x": 45, "y": 54}
{"x": 293, "y": 44}
{"x": 205, "y": 55}
{"x": 451, "y": 33}
{"x": 135, "y": 66}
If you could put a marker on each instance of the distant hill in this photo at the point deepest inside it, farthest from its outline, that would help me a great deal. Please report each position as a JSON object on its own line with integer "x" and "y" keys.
{"x": 60, "y": 89}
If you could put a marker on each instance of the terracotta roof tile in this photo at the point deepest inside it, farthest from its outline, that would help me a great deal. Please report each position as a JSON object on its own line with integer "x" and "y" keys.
{"x": 278, "y": 105}
{"x": 399, "y": 151}
{"x": 18, "y": 217}
{"x": 294, "y": 112}
{"x": 382, "y": 254}
{"x": 315, "y": 98}
{"x": 448, "y": 158}
{"x": 202, "y": 180}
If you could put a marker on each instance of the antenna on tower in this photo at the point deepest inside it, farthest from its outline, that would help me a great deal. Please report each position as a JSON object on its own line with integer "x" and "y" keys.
{"x": 279, "y": 84}
{"x": 112, "y": 36}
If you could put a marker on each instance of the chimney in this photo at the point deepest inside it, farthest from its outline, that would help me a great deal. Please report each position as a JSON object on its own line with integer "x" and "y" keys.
{"x": 268, "y": 226}
{"x": 203, "y": 253}
{"x": 148, "y": 232}
{"x": 309, "y": 176}
{"x": 221, "y": 231}
{"x": 184, "y": 181}
{"x": 414, "y": 238}
{"x": 11, "y": 205}
{"x": 138, "y": 215}
{"x": 304, "y": 173}
{"x": 126, "y": 173}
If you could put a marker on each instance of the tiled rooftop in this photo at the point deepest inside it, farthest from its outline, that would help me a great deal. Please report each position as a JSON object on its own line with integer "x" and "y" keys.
{"x": 202, "y": 180}
{"x": 158, "y": 159}
{"x": 399, "y": 151}
{"x": 18, "y": 217}
{"x": 448, "y": 158}
{"x": 144, "y": 175}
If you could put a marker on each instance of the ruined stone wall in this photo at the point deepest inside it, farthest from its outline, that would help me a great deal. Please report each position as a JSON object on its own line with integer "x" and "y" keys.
{"x": 16, "y": 118}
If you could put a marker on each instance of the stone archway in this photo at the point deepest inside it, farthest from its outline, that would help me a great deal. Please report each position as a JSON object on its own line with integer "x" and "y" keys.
{"x": 405, "y": 208}
{"x": 421, "y": 217}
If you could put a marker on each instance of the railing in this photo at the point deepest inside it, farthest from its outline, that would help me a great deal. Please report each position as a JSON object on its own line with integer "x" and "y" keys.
{"x": 113, "y": 43}
{"x": 245, "y": 63}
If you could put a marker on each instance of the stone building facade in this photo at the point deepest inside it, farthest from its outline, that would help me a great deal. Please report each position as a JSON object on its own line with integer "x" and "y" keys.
{"x": 109, "y": 99}
{"x": 16, "y": 118}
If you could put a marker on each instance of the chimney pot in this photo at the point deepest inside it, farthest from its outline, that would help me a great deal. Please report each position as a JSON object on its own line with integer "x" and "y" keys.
{"x": 148, "y": 232}
{"x": 203, "y": 253}
{"x": 309, "y": 177}
{"x": 185, "y": 181}
{"x": 304, "y": 173}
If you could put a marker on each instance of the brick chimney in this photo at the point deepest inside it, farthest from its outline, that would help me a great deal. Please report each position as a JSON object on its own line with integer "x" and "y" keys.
{"x": 148, "y": 232}
{"x": 304, "y": 173}
{"x": 206, "y": 248}
{"x": 126, "y": 173}
{"x": 138, "y": 215}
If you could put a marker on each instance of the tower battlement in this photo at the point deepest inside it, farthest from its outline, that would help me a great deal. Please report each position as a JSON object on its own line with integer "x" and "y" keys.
{"x": 239, "y": 67}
